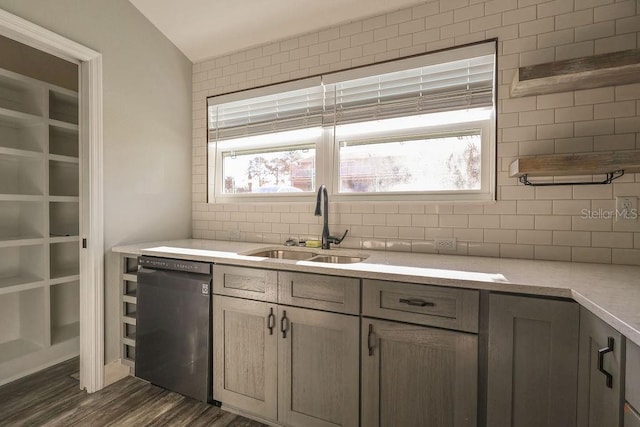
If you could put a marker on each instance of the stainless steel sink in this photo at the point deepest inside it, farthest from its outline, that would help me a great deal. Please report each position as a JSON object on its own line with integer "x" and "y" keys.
{"x": 285, "y": 254}
{"x": 337, "y": 259}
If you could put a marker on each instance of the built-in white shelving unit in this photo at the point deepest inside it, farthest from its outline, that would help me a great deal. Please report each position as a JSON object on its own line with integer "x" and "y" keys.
{"x": 39, "y": 225}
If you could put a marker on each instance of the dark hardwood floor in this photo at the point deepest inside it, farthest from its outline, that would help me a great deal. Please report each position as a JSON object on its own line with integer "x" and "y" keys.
{"x": 52, "y": 398}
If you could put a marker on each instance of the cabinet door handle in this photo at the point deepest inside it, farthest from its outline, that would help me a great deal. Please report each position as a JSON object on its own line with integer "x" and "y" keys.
{"x": 271, "y": 321}
{"x": 284, "y": 324}
{"x": 601, "y": 353}
{"x": 416, "y": 302}
{"x": 371, "y": 340}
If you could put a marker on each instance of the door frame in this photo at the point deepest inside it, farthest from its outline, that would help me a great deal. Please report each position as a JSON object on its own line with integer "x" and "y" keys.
{"x": 91, "y": 186}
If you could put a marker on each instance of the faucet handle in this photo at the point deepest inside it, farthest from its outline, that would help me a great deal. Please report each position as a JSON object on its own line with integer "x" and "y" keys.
{"x": 337, "y": 240}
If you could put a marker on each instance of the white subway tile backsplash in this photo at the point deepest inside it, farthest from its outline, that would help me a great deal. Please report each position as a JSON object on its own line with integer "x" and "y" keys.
{"x": 500, "y": 236}
{"x": 571, "y": 238}
{"x": 599, "y": 255}
{"x": 483, "y": 249}
{"x": 626, "y": 256}
{"x": 522, "y": 14}
{"x": 552, "y": 253}
{"x": 615, "y": 44}
{"x": 551, "y": 222}
{"x": 516, "y": 251}
{"x": 595, "y": 31}
{"x": 525, "y": 222}
{"x": 615, "y": 10}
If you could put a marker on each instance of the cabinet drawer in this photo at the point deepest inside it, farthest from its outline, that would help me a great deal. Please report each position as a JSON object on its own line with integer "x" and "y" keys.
{"x": 426, "y": 305}
{"x": 331, "y": 293}
{"x": 251, "y": 283}
{"x": 632, "y": 384}
{"x": 631, "y": 417}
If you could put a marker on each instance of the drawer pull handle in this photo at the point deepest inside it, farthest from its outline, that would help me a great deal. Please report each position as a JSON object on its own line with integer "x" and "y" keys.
{"x": 601, "y": 353}
{"x": 416, "y": 302}
{"x": 271, "y": 321}
{"x": 371, "y": 340}
{"x": 284, "y": 324}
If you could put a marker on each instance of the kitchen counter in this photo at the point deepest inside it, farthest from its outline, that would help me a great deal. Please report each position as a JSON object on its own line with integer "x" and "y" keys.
{"x": 611, "y": 292}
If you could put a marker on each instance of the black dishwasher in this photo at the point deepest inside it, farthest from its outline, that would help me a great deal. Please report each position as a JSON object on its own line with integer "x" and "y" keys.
{"x": 173, "y": 332}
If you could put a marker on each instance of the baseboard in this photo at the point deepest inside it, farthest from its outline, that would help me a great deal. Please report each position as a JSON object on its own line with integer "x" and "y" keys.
{"x": 115, "y": 371}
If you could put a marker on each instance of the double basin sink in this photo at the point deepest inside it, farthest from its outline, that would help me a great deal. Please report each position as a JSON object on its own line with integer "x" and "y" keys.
{"x": 306, "y": 255}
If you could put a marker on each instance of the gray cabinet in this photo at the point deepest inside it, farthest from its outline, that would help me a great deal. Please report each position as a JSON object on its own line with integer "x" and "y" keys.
{"x": 318, "y": 368}
{"x": 245, "y": 355}
{"x": 532, "y": 363}
{"x": 632, "y": 386}
{"x": 417, "y": 375}
{"x": 600, "y": 397}
{"x": 286, "y": 365}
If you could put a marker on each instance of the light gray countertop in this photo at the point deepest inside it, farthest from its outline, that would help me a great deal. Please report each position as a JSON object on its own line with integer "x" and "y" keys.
{"x": 612, "y": 292}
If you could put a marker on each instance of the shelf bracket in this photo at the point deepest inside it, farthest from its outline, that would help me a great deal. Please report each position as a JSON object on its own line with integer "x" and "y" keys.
{"x": 610, "y": 177}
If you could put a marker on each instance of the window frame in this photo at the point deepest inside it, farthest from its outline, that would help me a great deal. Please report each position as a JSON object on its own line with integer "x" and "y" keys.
{"x": 327, "y": 146}
{"x": 487, "y": 163}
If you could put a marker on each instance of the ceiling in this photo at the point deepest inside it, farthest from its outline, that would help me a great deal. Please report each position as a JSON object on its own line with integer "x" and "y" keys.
{"x": 204, "y": 29}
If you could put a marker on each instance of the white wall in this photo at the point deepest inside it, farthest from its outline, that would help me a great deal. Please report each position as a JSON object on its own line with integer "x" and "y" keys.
{"x": 526, "y": 222}
{"x": 147, "y": 125}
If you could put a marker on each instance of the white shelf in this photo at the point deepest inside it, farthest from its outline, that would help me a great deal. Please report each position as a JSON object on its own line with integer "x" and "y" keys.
{"x": 64, "y": 159}
{"x": 21, "y": 221}
{"x": 74, "y": 199}
{"x": 21, "y": 265}
{"x": 63, "y": 106}
{"x": 39, "y": 195}
{"x": 21, "y": 198}
{"x": 63, "y": 141}
{"x": 17, "y": 348}
{"x": 23, "y": 321}
{"x": 20, "y": 283}
{"x": 21, "y": 175}
{"x": 21, "y": 153}
{"x": 64, "y": 333}
{"x": 65, "y": 311}
{"x": 64, "y": 259}
{"x": 63, "y": 178}
{"x": 64, "y": 278}
{"x": 9, "y": 243}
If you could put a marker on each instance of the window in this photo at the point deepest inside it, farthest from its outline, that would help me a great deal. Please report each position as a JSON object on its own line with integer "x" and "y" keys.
{"x": 419, "y": 128}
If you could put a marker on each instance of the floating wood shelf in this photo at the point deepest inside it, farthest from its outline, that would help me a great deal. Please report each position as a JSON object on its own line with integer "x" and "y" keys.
{"x": 607, "y": 69}
{"x": 612, "y": 164}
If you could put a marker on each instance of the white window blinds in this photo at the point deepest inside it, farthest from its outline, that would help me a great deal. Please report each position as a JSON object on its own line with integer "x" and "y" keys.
{"x": 445, "y": 86}
{"x": 266, "y": 113}
{"x": 450, "y": 80}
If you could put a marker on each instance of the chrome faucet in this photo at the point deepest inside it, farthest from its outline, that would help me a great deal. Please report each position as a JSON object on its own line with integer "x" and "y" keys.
{"x": 326, "y": 238}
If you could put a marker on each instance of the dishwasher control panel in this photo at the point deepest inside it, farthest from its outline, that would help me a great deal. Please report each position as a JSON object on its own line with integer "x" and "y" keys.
{"x": 156, "y": 263}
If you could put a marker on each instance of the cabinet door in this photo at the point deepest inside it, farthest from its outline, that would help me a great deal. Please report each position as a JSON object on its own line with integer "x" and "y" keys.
{"x": 533, "y": 355}
{"x": 244, "y": 355}
{"x": 418, "y": 376}
{"x": 599, "y": 403}
{"x": 317, "y": 368}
